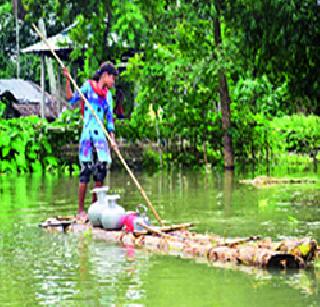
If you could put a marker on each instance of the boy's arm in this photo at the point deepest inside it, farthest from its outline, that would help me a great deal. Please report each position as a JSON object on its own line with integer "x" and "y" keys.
{"x": 109, "y": 116}
{"x": 68, "y": 86}
{"x": 73, "y": 98}
{"x": 109, "y": 113}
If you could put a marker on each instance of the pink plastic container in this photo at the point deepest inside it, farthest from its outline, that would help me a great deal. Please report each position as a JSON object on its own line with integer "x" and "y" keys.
{"x": 127, "y": 221}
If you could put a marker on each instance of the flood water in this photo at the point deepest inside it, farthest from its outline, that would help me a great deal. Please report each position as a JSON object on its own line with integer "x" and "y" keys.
{"x": 40, "y": 268}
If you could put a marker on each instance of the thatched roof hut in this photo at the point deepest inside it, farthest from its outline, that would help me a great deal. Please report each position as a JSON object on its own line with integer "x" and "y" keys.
{"x": 63, "y": 46}
{"x": 23, "y": 98}
{"x": 61, "y": 43}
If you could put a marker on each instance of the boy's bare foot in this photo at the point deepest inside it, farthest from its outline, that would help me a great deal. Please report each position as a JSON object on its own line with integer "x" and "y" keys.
{"x": 82, "y": 217}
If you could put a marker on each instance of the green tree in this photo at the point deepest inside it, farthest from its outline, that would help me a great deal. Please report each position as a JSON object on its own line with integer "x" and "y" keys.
{"x": 182, "y": 70}
{"x": 280, "y": 39}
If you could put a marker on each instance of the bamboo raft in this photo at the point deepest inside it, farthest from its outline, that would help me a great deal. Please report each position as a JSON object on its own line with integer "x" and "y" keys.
{"x": 179, "y": 241}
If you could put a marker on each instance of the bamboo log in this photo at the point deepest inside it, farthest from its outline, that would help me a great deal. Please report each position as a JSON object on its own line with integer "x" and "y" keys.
{"x": 182, "y": 226}
{"x": 246, "y": 253}
{"x": 154, "y": 230}
{"x": 265, "y": 180}
{"x": 250, "y": 251}
{"x": 162, "y": 229}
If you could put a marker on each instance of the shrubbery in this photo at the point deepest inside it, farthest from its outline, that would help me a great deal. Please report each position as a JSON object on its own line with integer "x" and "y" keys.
{"x": 31, "y": 144}
{"x": 296, "y": 134}
{"x": 24, "y": 145}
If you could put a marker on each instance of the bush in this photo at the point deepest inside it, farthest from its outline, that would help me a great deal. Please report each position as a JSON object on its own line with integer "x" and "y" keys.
{"x": 24, "y": 145}
{"x": 296, "y": 133}
{"x": 151, "y": 159}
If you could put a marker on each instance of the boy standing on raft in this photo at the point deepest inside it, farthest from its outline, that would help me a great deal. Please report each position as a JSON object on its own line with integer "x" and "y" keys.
{"x": 97, "y": 93}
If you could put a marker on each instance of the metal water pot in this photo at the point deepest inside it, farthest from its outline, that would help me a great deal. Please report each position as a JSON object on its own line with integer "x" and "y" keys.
{"x": 141, "y": 217}
{"x": 112, "y": 214}
{"x": 96, "y": 208}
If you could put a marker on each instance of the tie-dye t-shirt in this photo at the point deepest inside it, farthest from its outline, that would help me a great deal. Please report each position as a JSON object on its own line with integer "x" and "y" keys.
{"x": 92, "y": 134}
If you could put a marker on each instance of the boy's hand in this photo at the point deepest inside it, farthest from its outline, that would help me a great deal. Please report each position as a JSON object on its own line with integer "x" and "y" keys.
{"x": 113, "y": 143}
{"x": 66, "y": 73}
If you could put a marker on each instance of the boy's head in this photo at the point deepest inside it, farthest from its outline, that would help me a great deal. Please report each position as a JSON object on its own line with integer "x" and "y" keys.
{"x": 107, "y": 74}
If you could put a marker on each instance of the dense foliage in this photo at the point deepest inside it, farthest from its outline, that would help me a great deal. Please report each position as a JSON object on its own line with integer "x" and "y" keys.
{"x": 25, "y": 146}
{"x": 267, "y": 51}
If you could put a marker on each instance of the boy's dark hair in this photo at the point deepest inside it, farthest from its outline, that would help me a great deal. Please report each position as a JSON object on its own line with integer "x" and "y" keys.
{"x": 107, "y": 67}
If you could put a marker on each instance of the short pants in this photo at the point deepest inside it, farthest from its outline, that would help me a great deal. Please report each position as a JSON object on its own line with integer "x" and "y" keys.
{"x": 94, "y": 155}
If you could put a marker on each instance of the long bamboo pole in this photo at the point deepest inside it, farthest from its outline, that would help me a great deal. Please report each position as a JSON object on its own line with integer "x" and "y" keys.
{"x": 116, "y": 149}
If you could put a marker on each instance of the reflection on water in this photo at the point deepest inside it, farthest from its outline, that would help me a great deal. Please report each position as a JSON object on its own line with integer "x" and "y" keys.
{"x": 56, "y": 269}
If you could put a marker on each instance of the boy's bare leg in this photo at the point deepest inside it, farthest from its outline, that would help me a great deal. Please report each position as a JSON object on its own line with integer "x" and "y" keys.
{"x": 82, "y": 215}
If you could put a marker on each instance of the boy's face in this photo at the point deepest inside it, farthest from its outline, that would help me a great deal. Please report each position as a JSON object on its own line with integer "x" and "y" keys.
{"x": 108, "y": 80}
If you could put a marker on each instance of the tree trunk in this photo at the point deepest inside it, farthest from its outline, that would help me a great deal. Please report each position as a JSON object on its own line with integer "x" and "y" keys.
{"x": 224, "y": 98}
{"x": 106, "y": 50}
{"x": 227, "y": 189}
{"x": 226, "y": 123}
{"x": 18, "y": 5}
{"x": 43, "y": 88}
{"x": 17, "y": 38}
{"x": 204, "y": 138}
{"x": 50, "y": 71}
